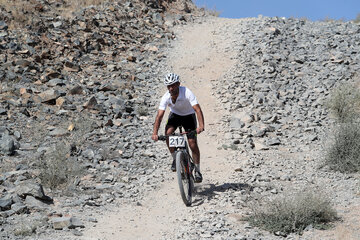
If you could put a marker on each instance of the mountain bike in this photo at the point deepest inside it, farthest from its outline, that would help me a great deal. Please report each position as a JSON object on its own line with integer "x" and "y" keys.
{"x": 184, "y": 164}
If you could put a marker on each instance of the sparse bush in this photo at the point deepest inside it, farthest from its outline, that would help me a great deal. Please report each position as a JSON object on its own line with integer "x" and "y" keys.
{"x": 343, "y": 149}
{"x": 344, "y": 103}
{"x": 357, "y": 19}
{"x": 211, "y": 11}
{"x": 293, "y": 213}
{"x": 83, "y": 125}
{"x": 57, "y": 168}
{"x": 25, "y": 230}
{"x": 28, "y": 227}
{"x": 24, "y": 10}
{"x": 143, "y": 111}
{"x": 329, "y": 19}
{"x": 343, "y": 153}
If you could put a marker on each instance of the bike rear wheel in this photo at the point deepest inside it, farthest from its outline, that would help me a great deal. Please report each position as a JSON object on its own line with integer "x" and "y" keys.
{"x": 185, "y": 180}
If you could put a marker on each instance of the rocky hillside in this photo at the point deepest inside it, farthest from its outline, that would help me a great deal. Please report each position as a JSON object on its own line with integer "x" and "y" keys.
{"x": 286, "y": 68}
{"x": 75, "y": 98}
{"x": 79, "y": 92}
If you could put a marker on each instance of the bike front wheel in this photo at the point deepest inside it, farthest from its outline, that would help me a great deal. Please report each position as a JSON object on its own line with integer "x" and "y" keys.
{"x": 185, "y": 180}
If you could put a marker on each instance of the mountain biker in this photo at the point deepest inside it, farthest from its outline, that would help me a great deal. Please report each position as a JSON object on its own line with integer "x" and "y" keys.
{"x": 183, "y": 106}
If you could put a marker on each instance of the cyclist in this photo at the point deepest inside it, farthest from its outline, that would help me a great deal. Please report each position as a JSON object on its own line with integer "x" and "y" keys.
{"x": 183, "y": 106}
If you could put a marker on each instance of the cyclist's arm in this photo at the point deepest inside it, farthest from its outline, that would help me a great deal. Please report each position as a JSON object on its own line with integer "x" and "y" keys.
{"x": 157, "y": 123}
{"x": 200, "y": 117}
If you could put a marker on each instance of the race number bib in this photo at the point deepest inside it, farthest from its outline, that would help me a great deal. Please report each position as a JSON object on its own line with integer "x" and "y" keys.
{"x": 177, "y": 141}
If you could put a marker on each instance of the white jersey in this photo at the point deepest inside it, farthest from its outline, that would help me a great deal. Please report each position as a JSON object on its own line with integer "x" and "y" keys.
{"x": 184, "y": 102}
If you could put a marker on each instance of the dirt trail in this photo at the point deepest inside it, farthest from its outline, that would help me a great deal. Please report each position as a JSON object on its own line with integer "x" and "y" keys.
{"x": 200, "y": 55}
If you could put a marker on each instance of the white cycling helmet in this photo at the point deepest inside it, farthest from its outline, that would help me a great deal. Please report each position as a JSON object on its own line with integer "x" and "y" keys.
{"x": 171, "y": 78}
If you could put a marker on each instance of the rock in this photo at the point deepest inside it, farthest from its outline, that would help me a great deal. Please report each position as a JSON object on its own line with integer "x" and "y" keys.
{"x": 60, "y": 101}
{"x": 273, "y": 141}
{"x": 131, "y": 59}
{"x": 56, "y": 82}
{"x": 50, "y": 75}
{"x": 259, "y": 146}
{"x": 244, "y": 117}
{"x": 71, "y": 67}
{"x": 236, "y": 123}
{"x": 7, "y": 145}
{"x": 17, "y": 135}
{"x": 57, "y": 24}
{"x": 258, "y": 132}
{"x": 76, "y": 223}
{"x": 91, "y": 103}
{"x": 19, "y": 208}
{"x": 49, "y": 96}
{"x": 29, "y": 188}
{"x": 76, "y": 90}
{"x": 3, "y": 111}
{"x": 89, "y": 154}
{"x": 36, "y": 204}
{"x": 59, "y": 132}
{"x": 3, "y": 25}
{"x": 61, "y": 222}
{"x": 25, "y": 112}
{"x": 66, "y": 222}
{"x": 5, "y": 203}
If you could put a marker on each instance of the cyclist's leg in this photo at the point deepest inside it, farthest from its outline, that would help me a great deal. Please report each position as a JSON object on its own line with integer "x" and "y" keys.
{"x": 196, "y": 156}
{"x": 170, "y": 127}
{"x": 169, "y": 130}
{"x": 195, "y": 150}
{"x": 189, "y": 124}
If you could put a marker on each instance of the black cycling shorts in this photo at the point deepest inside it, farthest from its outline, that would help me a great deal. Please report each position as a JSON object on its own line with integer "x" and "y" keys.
{"x": 188, "y": 122}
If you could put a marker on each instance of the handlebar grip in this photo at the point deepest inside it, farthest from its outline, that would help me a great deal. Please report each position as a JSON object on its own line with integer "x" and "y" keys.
{"x": 162, "y": 138}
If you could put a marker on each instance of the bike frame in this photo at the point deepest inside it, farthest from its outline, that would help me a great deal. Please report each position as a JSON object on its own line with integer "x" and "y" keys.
{"x": 184, "y": 149}
{"x": 184, "y": 166}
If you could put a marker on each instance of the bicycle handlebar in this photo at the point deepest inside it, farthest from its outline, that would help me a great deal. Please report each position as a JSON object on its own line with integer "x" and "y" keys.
{"x": 164, "y": 137}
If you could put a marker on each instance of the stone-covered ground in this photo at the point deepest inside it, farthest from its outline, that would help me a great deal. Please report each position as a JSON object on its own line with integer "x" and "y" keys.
{"x": 77, "y": 103}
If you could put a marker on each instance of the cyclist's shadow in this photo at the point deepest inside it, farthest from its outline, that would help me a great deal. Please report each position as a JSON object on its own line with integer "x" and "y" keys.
{"x": 209, "y": 191}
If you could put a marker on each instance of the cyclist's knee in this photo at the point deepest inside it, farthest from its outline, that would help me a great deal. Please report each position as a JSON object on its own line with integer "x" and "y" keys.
{"x": 169, "y": 130}
{"x": 193, "y": 145}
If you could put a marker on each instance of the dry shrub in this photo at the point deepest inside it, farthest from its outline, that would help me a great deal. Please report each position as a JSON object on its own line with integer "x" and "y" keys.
{"x": 21, "y": 11}
{"x": 344, "y": 103}
{"x": 143, "y": 110}
{"x": 71, "y": 6}
{"x": 211, "y": 11}
{"x": 343, "y": 151}
{"x": 357, "y": 19}
{"x": 26, "y": 227}
{"x": 293, "y": 213}
{"x": 57, "y": 168}
{"x": 24, "y": 230}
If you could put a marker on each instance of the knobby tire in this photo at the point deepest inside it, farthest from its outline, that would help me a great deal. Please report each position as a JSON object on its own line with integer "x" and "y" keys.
{"x": 184, "y": 178}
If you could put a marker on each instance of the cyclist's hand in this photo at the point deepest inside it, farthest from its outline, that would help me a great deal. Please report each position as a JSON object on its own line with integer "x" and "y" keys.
{"x": 199, "y": 130}
{"x": 155, "y": 137}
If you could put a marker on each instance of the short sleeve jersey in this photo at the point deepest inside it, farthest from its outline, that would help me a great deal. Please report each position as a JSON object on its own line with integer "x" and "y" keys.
{"x": 184, "y": 103}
